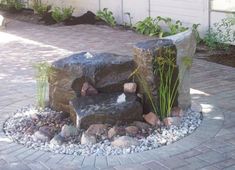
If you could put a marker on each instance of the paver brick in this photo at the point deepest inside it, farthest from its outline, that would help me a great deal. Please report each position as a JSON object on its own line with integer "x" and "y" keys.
{"x": 173, "y": 163}
{"x": 113, "y": 161}
{"x": 225, "y": 164}
{"x": 130, "y": 167}
{"x": 154, "y": 165}
{"x": 212, "y": 157}
{"x": 195, "y": 163}
{"x": 101, "y": 162}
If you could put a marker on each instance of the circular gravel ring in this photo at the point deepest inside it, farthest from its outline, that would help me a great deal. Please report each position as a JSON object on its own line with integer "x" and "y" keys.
{"x": 104, "y": 148}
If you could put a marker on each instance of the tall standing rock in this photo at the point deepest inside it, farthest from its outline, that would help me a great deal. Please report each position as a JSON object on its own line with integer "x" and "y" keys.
{"x": 144, "y": 55}
{"x": 105, "y": 71}
{"x": 184, "y": 45}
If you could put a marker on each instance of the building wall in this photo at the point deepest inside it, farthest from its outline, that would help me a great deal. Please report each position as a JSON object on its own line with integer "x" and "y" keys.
{"x": 188, "y": 11}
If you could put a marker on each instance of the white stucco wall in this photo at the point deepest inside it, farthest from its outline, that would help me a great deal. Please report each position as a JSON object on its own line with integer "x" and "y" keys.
{"x": 188, "y": 11}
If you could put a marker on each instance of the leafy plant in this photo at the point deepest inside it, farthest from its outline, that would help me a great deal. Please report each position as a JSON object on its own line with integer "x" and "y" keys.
{"x": 43, "y": 71}
{"x": 40, "y": 8}
{"x": 174, "y": 28}
{"x": 164, "y": 67}
{"x": 149, "y": 26}
{"x": 15, "y": 5}
{"x": 211, "y": 40}
{"x": 62, "y": 14}
{"x": 106, "y": 16}
{"x": 221, "y": 34}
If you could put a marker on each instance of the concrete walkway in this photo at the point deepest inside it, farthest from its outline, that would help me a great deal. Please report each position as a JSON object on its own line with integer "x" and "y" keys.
{"x": 212, "y": 146}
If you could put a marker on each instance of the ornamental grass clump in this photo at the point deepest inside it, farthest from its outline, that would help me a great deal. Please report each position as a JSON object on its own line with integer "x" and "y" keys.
{"x": 170, "y": 81}
{"x": 43, "y": 71}
{"x": 165, "y": 67}
{"x": 146, "y": 88}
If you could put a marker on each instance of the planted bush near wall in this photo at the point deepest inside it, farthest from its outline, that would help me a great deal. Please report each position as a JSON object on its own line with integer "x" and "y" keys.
{"x": 40, "y": 8}
{"x": 106, "y": 16}
{"x": 221, "y": 34}
{"x": 62, "y": 14}
{"x": 152, "y": 27}
{"x": 11, "y": 5}
{"x": 149, "y": 26}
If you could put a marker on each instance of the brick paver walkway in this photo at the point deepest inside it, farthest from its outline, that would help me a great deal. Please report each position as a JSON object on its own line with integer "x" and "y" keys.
{"x": 212, "y": 146}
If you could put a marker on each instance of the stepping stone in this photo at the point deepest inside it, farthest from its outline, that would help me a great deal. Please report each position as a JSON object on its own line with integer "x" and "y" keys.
{"x": 103, "y": 108}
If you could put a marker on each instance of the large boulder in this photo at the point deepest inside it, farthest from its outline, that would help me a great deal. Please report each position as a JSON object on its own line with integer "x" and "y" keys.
{"x": 144, "y": 55}
{"x": 186, "y": 44}
{"x": 106, "y": 72}
{"x": 104, "y": 108}
{"x": 182, "y": 45}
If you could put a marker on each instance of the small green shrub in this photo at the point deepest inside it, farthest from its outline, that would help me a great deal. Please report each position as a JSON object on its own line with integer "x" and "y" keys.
{"x": 211, "y": 40}
{"x": 62, "y": 14}
{"x": 12, "y": 5}
{"x": 221, "y": 34}
{"x": 43, "y": 71}
{"x": 149, "y": 26}
{"x": 174, "y": 28}
{"x": 40, "y": 8}
{"x": 106, "y": 16}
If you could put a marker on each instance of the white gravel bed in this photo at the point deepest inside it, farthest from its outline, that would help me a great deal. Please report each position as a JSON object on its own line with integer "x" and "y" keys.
{"x": 16, "y": 128}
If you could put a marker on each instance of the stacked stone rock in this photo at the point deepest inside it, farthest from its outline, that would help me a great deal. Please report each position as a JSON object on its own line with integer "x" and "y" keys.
{"x": 104, "y": 75}
{"x": 183, "y": 45}
{"x": 87, "y": 86}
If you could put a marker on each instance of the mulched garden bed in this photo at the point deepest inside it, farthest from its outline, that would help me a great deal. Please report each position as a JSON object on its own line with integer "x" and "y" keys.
{"x": 224, "y": 57}
{"x": 28, "y": 15}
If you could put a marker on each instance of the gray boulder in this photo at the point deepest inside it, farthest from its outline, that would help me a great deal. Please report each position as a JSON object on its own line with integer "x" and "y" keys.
{"x": 68, "y": 131}
{"x": 40, "y": 136}
{"x": 185, "y": 43}
{"x": 182, "y": 45}
{"x": 106, "y": 72}
{"x": 125, "y": 142}
{"x": 57, "y": 140}
{"x": 103, "y": 108}
{"x": 88, "y": 139}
